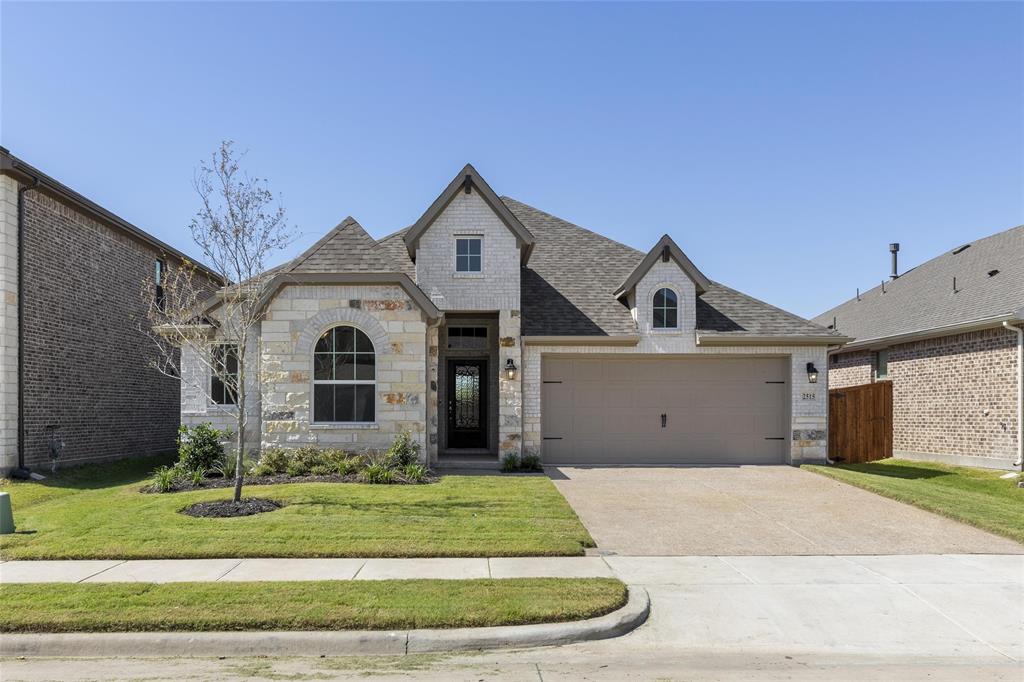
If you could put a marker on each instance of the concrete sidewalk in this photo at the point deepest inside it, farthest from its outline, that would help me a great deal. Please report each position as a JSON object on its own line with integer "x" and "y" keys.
{"x": 947, "y": 569}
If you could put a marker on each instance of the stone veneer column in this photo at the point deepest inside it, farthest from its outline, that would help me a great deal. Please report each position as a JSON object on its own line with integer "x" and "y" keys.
{"x": 433, "y": 358}
{"x": 8, "y": 324}
{"x": 510, "y": 391}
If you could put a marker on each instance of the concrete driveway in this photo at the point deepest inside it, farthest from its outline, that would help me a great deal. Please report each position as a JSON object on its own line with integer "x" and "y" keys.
{"x": 754, "y": 510}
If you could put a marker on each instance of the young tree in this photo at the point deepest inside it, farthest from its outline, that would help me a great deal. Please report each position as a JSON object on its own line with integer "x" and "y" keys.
{"x": 239, "y": 226}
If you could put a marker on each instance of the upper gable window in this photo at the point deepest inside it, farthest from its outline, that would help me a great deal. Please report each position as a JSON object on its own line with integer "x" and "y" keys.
{"x": 666, "y": 309}
{"x": 468, "y": 256}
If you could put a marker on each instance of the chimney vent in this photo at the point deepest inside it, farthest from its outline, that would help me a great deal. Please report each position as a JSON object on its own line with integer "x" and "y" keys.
{"x": 894, "y": 248}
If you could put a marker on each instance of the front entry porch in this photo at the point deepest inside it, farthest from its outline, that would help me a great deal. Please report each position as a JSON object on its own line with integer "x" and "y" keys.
{"x": 468, "y": 388}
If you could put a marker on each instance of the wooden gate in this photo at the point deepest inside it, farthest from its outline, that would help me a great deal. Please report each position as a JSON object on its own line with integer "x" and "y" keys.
{"x": 860, "y": 422}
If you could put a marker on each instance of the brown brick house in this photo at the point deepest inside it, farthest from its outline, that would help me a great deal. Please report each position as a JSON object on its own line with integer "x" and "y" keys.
{"x": 72, "y": 359}
{"x": 946, "y": 334}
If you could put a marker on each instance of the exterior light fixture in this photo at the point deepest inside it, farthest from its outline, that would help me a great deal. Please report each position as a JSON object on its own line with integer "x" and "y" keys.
{"x": 812, "y": 373}
{"x": 510, "y": 368}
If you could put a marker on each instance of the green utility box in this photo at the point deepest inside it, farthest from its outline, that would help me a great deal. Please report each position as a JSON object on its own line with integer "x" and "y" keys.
{"x": 6, "y": 515}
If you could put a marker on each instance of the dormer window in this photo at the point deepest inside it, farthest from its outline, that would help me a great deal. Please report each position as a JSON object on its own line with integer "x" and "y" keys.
{"x": 666, "y": 309}
{"x": 468, "y": 256}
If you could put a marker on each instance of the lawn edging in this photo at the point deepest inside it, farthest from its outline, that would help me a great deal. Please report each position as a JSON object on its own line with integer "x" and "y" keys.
{"x": 337, "y": 643}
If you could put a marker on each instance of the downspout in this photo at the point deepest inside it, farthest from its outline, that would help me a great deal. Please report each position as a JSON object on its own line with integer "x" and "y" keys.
{"x": 21, "y": 471}
{"x": 1020, "y": 394}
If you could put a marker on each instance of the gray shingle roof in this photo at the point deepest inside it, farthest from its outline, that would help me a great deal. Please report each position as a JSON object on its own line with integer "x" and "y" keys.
{"x": 346, "y": 248}
{"x": 568, "y": 288}
{"x": 923, "y": 297}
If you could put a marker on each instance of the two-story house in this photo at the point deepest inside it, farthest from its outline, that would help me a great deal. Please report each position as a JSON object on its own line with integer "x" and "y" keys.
{"x": 490, "y": 327}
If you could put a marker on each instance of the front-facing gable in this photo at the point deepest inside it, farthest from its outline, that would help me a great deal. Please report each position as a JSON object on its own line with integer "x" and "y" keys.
{"x": 465, "y": 182}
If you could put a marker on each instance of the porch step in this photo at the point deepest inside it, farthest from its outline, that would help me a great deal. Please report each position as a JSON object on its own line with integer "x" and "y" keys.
{"x": 476, "y": 462}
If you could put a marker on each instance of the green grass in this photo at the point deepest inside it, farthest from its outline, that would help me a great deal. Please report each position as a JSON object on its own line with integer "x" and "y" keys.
{"x": 97, "y": 512}
{"x": 974, "y": 496}
{"x": 326, "y": 605}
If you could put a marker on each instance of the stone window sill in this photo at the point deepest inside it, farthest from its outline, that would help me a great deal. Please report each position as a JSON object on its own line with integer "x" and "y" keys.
{"x": 342, "y": 426}
{"x": 467, "y": 275}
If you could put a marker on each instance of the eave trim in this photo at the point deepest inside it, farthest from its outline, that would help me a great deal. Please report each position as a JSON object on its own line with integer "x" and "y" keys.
{"x": 623, "y": 340}
{"x": 781, "y": 340}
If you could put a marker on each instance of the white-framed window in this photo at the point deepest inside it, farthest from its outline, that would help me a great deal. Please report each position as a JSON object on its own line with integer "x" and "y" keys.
{"x": 469, "y": 254}
{"x": 158, "y": 283}
{"x": 666, "y": 309}
{"x": 344, "y": 377}
{"x": 224, "y": 377}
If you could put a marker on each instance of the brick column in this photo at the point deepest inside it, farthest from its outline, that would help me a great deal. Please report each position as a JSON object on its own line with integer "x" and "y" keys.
{"x": 8, "y": 324}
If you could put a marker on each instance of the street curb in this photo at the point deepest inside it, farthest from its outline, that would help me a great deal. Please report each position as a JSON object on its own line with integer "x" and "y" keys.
{"x": 338, "y": 643}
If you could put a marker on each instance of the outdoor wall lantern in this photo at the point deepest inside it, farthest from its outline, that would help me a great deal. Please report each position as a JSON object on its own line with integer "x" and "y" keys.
{"x": 812, "y": 373}
{"x": 510, "y": 368}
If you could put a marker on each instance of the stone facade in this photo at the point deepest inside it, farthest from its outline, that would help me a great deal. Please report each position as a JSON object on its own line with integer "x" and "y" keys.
{"x": 295, "y": 320}
{"x": 8, "y": 323}
{"x": 88, "y": 366}
{"x": 954, "y": 397}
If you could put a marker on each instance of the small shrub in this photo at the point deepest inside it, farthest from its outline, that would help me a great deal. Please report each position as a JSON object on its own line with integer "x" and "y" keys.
{"x": 415, "y": 473}
{"x": 349, "y": 466}
{"x": 530, "y": 462}
{"x": 164, "y": 479}
{"x": 200, "y": 446}
{"x": 510, "y": 463}
{"x": 196, "y": 477}
{"x": 377, "y": 472}
{"x": 322, "y": 470}
{"x": 404, "y": 450}
{"x": 225, "y": 468}
{"x": 272, "y": 462}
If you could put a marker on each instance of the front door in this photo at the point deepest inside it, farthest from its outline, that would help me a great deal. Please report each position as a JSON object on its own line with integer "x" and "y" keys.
{"x": 467, "y": 403}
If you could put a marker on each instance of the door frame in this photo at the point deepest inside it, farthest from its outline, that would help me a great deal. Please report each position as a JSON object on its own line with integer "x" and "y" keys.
{"x": 483, "y": 429}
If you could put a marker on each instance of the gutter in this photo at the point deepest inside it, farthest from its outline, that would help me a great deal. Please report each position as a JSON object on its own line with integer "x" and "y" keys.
{"x": 1020, "y": 392}
{"x": 920, "y": 334}
{"x": 725, "y": 339}
{"x": 22, "y": 471}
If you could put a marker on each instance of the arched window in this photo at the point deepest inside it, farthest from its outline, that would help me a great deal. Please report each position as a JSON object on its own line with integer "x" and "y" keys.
{"x": 666, "y": 309}
{"x": 344, "y": 377}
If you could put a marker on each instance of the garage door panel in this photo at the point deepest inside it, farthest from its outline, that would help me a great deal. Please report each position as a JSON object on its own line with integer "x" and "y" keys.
{"x": 607, "y": 411}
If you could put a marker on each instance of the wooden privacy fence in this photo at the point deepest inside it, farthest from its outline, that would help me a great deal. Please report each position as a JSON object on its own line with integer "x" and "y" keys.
{"x": 860, "y": 422}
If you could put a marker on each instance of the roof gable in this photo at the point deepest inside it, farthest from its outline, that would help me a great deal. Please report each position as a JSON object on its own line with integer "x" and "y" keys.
{"x": 346, "y": 248}
{"x": 466, "y": 180}
{"x": 665, "y": 249}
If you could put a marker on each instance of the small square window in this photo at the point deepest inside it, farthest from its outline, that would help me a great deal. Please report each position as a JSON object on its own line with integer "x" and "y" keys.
{"x": 468, "y": 255}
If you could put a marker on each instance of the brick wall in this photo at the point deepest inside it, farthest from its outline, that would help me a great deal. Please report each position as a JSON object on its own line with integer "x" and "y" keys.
{"x": 86, "y": 362}
{"x": 850, "y": 369}
{"x": 954, "y": 397}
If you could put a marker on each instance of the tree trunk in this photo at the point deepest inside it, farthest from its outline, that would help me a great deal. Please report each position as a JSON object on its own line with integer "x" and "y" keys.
{"x": 240, "y": 424}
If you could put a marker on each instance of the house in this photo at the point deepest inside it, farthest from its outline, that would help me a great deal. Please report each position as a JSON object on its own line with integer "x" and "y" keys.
{"x": 491, "y": 327}
{"x": 74, "y": 363}
{"x": 947, "y": 335}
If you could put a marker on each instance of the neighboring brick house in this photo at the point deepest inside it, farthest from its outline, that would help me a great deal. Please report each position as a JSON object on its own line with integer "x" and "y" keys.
{"x": 946, "y": 335}
{"x": 491, "y": 328}
{"x": 83, "y": 371}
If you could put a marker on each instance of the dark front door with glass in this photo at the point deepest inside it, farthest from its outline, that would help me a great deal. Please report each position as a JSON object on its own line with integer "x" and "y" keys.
{"x": 467, "y": 403}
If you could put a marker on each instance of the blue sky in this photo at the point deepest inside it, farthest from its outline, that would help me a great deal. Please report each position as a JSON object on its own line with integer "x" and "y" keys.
{"x": 783, "y": 146}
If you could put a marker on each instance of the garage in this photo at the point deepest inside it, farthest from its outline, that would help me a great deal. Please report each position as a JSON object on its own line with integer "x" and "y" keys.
{"x": 658, "y": 410}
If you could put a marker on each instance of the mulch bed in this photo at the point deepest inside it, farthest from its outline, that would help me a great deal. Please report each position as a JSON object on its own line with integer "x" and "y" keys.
{"x": 227, "y": 508}
{"x": 277, "y": 478}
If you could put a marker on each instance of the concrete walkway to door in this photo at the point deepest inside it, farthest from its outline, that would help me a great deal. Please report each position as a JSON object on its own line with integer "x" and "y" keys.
{"x": 754, "y": 510}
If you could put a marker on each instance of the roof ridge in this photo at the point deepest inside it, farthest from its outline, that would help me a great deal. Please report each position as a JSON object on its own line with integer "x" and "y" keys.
{"x": 505, "y": 198}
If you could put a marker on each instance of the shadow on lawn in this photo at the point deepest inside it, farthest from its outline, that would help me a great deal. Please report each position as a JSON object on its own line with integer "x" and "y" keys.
{"x": 908, "y": 472}
{"x": 103, "y": 474}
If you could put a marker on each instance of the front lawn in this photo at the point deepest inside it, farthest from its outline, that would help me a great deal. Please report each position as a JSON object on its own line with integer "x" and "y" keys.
{"x": 974, "y": 496}
{"x": 97, "y": 512}
{"x": 363, "y": 605}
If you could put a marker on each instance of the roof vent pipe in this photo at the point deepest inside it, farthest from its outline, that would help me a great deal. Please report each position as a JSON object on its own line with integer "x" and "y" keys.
{"x": 894, "y": 248}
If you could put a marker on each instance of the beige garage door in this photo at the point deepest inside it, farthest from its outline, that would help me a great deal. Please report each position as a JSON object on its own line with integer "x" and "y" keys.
{"x": 644, "y": 410}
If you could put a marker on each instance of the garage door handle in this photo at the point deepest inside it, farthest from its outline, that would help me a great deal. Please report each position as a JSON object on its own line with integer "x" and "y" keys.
{"x": 664, "y": 420}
